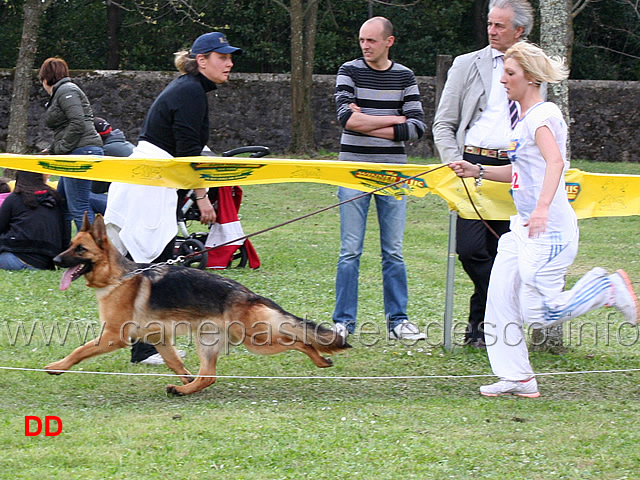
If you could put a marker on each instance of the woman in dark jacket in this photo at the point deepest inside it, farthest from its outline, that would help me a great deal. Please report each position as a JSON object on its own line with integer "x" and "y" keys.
{"x": 32, "y": 226}
{"x": 70, "y": 117}
{"x": 141, "y": 219}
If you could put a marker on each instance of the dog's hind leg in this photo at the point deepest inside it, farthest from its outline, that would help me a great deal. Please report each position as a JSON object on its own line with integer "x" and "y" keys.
{"x": 108, "y": 342}
{"x": 206, "y": 375}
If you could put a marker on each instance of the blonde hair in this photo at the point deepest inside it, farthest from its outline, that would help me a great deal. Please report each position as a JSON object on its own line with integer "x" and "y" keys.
{"x": 537, "y": 65}
{"x": 185, "y": 63}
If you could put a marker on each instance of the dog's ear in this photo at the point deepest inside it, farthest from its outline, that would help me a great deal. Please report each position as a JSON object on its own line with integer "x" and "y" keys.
{"x": 86, "y": 226}
{"x": 99, "y": 231}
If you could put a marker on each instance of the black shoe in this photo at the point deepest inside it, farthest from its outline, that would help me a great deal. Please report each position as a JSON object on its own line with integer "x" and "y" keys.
{"x": 476, "y": 343}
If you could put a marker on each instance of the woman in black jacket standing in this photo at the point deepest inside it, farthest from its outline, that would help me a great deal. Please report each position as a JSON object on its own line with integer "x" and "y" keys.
{"x": 32, "y": 226}
{"x": 70, "y": 117}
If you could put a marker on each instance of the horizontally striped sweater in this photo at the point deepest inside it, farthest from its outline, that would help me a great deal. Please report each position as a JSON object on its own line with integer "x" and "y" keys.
{"x": 378, "y": 92}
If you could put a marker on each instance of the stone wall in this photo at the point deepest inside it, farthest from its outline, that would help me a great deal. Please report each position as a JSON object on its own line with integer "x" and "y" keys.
{"x": 255, "y": 109}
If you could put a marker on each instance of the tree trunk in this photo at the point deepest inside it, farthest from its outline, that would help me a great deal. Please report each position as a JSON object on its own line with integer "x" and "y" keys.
{"x": 114, "y": 19}
{"x": 23, "y": 76}
{"x": 304, "y": 14}
{"x": 555, "y": 18}
{"x": 555, "y": 36}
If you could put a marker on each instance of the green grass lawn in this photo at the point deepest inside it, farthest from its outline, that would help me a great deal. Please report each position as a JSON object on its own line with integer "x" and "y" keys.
{"x": 431, "y": 426}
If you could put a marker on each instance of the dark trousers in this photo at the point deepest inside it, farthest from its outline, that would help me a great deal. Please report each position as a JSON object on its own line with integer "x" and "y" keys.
{"x": 141, "y": 350}
{"x": 477, "y": 247}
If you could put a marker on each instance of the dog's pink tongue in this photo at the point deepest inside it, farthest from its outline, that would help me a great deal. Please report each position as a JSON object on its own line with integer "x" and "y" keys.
{"x": 67, "y": 277}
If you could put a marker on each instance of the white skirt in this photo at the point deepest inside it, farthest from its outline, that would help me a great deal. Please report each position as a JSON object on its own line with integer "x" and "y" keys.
{"x": 141, "y": 219}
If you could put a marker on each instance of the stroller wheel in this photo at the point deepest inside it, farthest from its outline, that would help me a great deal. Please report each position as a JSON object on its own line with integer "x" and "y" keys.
{"x": 239, "y": 258}
{"x": 189, "y": 246}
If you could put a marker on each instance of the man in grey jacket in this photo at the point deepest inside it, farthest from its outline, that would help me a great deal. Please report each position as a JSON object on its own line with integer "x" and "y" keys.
{"x": 473, "y": 122}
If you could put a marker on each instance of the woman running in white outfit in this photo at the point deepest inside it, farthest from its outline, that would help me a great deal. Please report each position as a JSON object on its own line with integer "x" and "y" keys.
{"x": 527, "y": 279}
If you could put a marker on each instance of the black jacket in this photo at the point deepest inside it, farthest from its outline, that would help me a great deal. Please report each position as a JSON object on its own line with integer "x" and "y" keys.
{"x": 178, "y": 120}
{"x": 35, "y": 235}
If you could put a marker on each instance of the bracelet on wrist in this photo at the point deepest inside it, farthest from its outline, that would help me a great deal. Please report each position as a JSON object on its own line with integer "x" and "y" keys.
{"x": 480, "y": 175}
{"x": 202, "y": 197}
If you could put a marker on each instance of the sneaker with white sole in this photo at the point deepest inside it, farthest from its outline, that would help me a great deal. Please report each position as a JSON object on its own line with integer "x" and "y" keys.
{"x": 524, "y": 388}
{"x": 341, "y": 329}
{"x": 156, "y": 359}
{"x": 624, "y": 298}
{"x": 406, "y": 331}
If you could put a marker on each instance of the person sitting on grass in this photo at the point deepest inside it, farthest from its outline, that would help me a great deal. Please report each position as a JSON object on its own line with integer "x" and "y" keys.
{"x": 32, "y": 226}
{"x": 5, "y": 189}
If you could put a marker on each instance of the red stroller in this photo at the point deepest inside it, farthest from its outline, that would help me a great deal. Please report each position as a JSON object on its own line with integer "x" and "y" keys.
{"x": 226, "y": 201}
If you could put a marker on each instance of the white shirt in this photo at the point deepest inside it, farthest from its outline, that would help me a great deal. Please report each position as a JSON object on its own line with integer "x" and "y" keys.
{"x": 528, "y": 170}
{"x": 493, "y": 129}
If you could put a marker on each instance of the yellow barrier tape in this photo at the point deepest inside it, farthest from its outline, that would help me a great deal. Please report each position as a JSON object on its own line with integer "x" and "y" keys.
{"x": 591, "y": 194}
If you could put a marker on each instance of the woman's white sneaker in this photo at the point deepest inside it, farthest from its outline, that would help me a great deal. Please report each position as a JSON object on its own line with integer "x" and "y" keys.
{"x": 624, "y": 298}
{"x": 526, "y": 388}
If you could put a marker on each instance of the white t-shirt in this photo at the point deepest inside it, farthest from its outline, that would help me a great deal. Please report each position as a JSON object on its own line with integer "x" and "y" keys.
{"x": 528, "y": 170}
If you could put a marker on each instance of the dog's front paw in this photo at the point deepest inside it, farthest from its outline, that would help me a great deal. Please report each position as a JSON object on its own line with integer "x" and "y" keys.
{"x": 329, "y": 362}
{"x": 173, "y": 390}
{"x": 54, "y": 366}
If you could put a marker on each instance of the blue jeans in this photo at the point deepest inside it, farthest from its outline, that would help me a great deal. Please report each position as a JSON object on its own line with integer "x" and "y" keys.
{"x": 76, "y": 191}
{"x": 98, "y": 202}
{"x": 353, "y": 223}
{"x": 8, "y": 261}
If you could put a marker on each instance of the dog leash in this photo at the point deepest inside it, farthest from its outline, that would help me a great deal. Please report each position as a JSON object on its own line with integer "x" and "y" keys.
{"x": 484, "y": 222}
{"x": 182, "y": 258}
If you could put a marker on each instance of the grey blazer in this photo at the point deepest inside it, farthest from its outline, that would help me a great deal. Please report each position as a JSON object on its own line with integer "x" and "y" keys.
{"x": 463, "y": 100}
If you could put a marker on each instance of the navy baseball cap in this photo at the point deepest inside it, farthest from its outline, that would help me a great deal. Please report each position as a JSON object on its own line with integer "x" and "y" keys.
{"x": 213, "y": 42}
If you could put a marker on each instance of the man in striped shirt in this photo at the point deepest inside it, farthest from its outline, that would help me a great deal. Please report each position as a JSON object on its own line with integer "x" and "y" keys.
{"x": 378, "y": 105}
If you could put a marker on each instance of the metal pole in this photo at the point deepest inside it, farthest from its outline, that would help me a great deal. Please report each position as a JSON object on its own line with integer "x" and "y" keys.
{"x": 451, "y": 267}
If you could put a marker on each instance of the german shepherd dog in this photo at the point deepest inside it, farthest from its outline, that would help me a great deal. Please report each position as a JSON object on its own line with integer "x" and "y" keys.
{"x": 157, "y": 303}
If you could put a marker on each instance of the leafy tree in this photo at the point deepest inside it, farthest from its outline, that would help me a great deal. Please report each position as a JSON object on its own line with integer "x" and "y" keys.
{"x": 304, "y": 16}
{"x": 143, "y": 34}
{"x": 22, "y": 79}
{"x": 65, "y": 39}
{"x": 607, "y": 40}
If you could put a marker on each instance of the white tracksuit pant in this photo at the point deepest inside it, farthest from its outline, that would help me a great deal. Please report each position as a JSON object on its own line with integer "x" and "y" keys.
{"x": 526, "y": 287}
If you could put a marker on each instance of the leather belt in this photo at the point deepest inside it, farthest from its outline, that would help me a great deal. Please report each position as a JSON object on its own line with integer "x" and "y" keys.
{"x": 485, "y": 152}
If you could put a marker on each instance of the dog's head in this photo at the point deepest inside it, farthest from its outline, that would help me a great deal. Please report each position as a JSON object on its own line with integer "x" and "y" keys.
{"x": 88, "y": 249}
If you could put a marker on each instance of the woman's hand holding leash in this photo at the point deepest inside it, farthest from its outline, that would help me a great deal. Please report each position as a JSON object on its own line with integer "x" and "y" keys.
{"x": 465, "y": 169}
{"x": 207, "y": 212}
